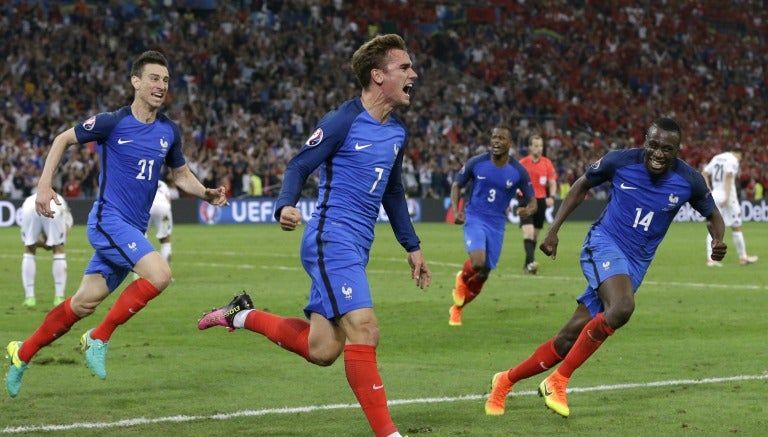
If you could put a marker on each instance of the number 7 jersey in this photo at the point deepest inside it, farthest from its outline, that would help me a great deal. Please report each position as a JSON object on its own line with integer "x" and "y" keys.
{"x": 641, "y": 208}
{"x": 131, "y": 156}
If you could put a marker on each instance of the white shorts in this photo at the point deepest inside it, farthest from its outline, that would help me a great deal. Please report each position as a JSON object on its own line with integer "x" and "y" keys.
{"x": 54, "y": 228}
{"x": 161, "y": 218}
{"x": 731, "y": 212}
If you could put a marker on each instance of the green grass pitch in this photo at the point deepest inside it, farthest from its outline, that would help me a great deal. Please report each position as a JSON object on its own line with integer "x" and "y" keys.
{"x": 692, "y": 361}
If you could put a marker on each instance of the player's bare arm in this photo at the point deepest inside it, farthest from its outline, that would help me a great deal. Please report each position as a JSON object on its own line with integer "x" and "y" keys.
{"x": 458, "y": 216}
{"x": 529, "y": 209}
{"x": 187, "y": 181}
{"x": 716, "y": 227}
{"x": 572, "y": 201}
{"x": 45, "y": 193}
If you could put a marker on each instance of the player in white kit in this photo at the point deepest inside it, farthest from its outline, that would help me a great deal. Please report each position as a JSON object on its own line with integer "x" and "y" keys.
{"x": 720, "y": 174}
{"x": 50, "y": 233}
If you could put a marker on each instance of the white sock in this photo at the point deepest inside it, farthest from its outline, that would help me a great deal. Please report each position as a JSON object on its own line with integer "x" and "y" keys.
{"x": 395, "y": 434}
{"x": 741, "y": 246}
{"x": 709, "y": 247}
{"x": 239, "y": 320}
{"x": 28, "y": 270}
{"x": 165, "y": 252}
{"x": 59, "y": 270}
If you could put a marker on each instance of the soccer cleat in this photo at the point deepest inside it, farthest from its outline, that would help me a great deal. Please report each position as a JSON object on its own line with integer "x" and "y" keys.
{"x": 500, "y": 387}
{"x": 30, "y": 302}
{"x": 531, "y": 268}
{"x": 553, "y": 390}
{"x": 16, "y": 370}
{"x": 747, "y": 260}
{"x": 95, "y": 352}
{"x": 460, "y": 291}
{"x": 225, "y": 315}
{"x": 455, "y": 313}
{"x": 58, "y": 300}
{"x": 713, "y": 263}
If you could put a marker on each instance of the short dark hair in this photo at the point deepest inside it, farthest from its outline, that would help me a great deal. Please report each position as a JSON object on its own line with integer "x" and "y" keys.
{"x": 148, "y": 57}
{"x": 371, "y": 55}
{"x": 668, "y": 124}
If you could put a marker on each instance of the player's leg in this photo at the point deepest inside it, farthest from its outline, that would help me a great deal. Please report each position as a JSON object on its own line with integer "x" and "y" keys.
{"x": 92, "y": 291}
{"x": 56, "y": 230}
{"x": 362, "y": 331}
{"x": 28, "y": 272}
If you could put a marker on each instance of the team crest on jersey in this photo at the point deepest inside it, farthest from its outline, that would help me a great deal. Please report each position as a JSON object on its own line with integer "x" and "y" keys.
{"x": 346, "y": 291}
{"x": 90, "y": 123}
{"x": 315, "y": 138}
{"x": 596, "y": 164}
{"x": 163, "y": 146}
{"x": 673, "y": 201}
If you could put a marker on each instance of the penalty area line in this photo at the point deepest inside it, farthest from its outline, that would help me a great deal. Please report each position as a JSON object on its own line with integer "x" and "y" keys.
{"x": 308, "y": 409}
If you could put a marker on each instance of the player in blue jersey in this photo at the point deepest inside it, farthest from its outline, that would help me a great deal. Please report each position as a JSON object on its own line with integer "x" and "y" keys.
{"x": 495, "y": 178}
{"x": 134, "y": 142}
{"x": 648, "y": 187}
{"x": 358, "y": 149}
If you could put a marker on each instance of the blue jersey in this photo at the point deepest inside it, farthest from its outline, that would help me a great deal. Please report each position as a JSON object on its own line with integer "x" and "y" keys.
{"x": 132, "y": 154}
{"x": 493, "y": 187}
{"x": 641, "y": 208}
{"x": 360, "y": 166}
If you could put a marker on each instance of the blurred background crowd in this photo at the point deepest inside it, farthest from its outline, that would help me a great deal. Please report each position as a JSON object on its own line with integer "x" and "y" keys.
{"x": 250, "y": 79}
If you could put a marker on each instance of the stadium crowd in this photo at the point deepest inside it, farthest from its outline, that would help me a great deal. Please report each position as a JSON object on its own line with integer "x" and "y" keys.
{"x": 249, "y": 82}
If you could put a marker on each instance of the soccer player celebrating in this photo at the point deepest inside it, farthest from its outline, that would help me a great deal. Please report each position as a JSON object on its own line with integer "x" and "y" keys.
{"x": 133, "y": 143}
{"x": 496, "y": 178}
{"x": 648, "y": 187}
{"x": 359, "y": 151}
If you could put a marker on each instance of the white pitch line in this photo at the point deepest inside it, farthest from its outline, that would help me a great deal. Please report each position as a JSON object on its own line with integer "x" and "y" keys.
{"x": 308, "y": 409}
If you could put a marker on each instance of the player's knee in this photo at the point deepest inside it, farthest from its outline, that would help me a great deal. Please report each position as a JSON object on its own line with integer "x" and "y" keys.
{"x": 619, "y": 314}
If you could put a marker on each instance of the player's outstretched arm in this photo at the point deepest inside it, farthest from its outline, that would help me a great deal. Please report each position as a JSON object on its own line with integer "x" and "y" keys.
{"x": 572, "y": 200}
{"x": 187, "y": 181}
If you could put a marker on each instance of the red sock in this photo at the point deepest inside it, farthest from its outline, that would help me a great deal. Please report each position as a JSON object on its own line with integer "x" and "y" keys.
{"x": 365, "y": 381}
{"x": 57, "y": 323}
{"x": 542, "y": 359}
{"x": 289, "y": 333}
{"x": 131, "y": 301}
{"x": 590, "y": 338}
{"x": 473, "y": 285}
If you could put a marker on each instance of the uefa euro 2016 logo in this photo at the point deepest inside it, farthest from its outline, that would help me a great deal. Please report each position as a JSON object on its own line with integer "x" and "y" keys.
{"x": 209, "y": 214}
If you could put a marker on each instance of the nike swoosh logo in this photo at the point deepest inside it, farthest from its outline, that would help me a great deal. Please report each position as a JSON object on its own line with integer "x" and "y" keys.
{"x": 378, "y": 387}
{"x": 364, "y": 146}
{"x": 481, "y": 177}
{"x": 627, "y": 187}
{"x": 122, "y": 141}
{"x": 546, "y": 391}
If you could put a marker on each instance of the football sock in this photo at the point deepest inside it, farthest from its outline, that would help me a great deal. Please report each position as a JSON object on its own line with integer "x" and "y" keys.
{"x": 364, "y": 379}
{"x": 165, "y": 252}
{"x": 130, "y": 302}
{"x": 530, "y": 249}
{"x": 290, "y": 333}
{"x": 589, "y": 340}
{"x": 59, "y": 270}
{"x": 474, "y": 287}
{"x": 709, "y": 247}
{"x": 28, "y": 271}
{"x": 741, "y": 246}
{"x": 57, "y": 323}
{"x": 543, "y": 358}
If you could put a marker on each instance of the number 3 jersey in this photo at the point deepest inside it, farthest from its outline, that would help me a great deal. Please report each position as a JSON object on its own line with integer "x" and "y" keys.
{"x": 132, "y": 154}
{"x": 641, "y": 208}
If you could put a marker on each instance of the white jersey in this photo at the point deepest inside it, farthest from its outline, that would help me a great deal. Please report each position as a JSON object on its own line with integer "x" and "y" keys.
{"x": 718, "y": 168}
{"x": 54, "y": 229}
{"x": 160, "y": 216}
{"x": 722, "y": 167}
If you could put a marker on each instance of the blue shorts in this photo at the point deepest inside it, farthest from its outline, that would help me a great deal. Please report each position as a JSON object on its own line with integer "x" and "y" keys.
{"x": 481, "y": 235}
{"x": 336, "y": 264}
{"x": 118, "y": 247}
{"x": 601, "y": 258}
